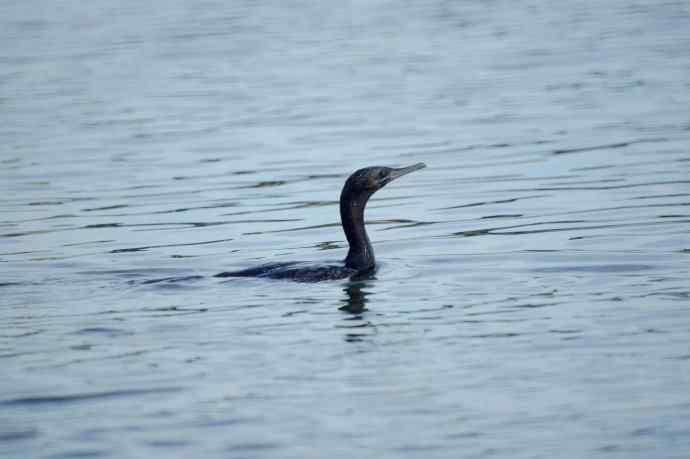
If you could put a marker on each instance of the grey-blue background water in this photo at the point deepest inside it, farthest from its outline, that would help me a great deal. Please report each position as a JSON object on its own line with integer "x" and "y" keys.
{"x": 533, "y": 299}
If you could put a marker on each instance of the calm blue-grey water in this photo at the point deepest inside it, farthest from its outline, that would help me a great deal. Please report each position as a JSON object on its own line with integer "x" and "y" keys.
{"x": 533, "y": 299}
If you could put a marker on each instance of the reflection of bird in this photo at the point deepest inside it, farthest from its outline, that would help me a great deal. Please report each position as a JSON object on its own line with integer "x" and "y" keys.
{"x": 356, "y": 298}
{"x": 357, "y": 328}
{"x": 360, "y": 259}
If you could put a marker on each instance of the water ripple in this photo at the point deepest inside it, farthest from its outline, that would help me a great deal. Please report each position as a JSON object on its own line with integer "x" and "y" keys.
{"x": 85, "y": 397}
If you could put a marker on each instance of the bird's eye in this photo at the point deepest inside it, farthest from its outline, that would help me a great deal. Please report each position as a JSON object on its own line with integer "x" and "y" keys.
{"x": 382, "y": 174}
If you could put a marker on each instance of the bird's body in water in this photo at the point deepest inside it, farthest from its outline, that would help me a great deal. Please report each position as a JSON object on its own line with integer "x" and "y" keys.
{"x": 360, "y": 258}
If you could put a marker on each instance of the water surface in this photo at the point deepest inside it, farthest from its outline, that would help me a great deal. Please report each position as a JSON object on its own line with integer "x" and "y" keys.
{"x": 533, "y": 297}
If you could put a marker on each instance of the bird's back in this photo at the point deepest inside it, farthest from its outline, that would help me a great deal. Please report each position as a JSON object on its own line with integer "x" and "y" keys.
{"x": 294, "y": 271}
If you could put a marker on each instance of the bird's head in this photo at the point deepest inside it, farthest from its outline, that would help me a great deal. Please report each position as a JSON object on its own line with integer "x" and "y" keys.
{"x": 371, "y": 179}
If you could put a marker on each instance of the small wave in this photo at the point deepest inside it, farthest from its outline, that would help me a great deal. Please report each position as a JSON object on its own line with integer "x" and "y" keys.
{"x": 185, "y": 244}
{"x": 75, "y": 398}
{"x": 608, "y": 146}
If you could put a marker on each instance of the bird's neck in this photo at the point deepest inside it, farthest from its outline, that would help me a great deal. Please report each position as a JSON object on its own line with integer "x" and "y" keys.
{"x": 361, "y": 254}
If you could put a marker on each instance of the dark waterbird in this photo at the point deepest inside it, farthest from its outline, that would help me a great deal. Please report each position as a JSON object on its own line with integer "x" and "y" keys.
{"x": 360, "y": 259}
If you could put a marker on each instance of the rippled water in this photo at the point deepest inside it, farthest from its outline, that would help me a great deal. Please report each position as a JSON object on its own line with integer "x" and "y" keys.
{"x": 533, "y": 297}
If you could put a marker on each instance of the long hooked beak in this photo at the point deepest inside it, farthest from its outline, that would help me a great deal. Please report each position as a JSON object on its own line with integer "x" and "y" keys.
{"x": 397, "y": 173}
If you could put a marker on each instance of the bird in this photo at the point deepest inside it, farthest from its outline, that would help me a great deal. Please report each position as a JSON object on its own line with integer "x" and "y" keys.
{"x": 360, "y": 260}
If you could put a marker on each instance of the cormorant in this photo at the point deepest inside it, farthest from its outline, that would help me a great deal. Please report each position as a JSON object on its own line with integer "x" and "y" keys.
{"x": 360, "y": 258}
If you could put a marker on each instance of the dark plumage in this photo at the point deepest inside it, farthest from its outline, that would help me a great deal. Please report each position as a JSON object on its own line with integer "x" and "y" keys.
{"x": 360, "y": 258}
